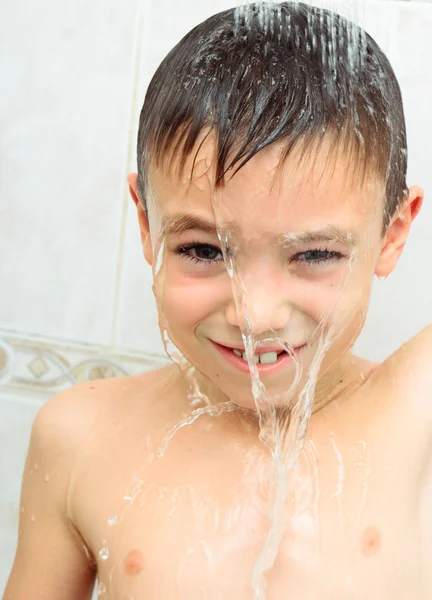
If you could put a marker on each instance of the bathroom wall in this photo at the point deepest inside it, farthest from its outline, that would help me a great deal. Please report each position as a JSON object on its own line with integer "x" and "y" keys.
{"x": 76, "y": 300}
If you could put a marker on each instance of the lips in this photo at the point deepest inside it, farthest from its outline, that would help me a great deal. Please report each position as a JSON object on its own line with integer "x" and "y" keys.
{"x": 260, "y": 350}
{"x": 270, "y": 366}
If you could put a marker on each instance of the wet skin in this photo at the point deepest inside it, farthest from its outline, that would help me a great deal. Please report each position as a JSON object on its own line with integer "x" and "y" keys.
{"x": 191, "y": 526}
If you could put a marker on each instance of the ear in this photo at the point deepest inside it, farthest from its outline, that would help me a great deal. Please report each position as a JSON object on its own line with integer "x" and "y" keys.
{"x": 132, "y": 180}
{"x": 397, "y": 232}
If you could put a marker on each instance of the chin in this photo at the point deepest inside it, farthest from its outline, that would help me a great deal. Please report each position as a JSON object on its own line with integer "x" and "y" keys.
{"x": 241, "y": 394}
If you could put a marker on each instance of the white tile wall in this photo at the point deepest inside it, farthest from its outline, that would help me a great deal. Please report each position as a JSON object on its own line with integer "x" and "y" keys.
{"x": 16, "y": 417}
{"x": 74, "y": 274}
{"x": 64, "y": 119}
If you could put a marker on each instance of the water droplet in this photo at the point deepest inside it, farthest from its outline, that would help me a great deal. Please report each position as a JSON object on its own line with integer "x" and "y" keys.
{"x": 162, "y": 494}
{"x": 35, "y": 467}
{"x": 46, "y": 477}
{"x": 104, "y": 554}
{"x": 112, "y": 520}
{"x": 32, "y": 518}
{"x": 101, "y": 589}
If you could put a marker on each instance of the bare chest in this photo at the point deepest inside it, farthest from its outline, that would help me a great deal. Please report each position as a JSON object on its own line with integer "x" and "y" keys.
{"x": 208, "y": 521}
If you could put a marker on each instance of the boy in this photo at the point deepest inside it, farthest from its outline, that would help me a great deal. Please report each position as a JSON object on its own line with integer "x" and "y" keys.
{"x": 264, "y": 273}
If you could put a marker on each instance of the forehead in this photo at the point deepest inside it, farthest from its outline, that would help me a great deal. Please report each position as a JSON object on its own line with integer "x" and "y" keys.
{"x": 308, "y": 187}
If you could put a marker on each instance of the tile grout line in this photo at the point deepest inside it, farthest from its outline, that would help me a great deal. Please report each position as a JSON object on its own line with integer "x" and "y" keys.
{"x": 44, "y": 342}
{"x": 136, "y": 61}
{"x": 394, "y": 30}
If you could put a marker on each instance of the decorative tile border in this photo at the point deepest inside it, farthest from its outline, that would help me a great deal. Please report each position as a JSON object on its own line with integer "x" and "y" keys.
{"x": 36, "y": 365}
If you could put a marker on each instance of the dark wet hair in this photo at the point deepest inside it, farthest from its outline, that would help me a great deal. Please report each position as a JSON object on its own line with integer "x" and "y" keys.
{"x": 270, "y": 73}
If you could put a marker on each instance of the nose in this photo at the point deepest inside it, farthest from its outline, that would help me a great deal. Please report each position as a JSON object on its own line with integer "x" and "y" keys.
{"x": 264, "y": 307}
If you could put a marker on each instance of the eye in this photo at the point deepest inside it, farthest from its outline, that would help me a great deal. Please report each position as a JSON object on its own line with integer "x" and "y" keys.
{"x": 200, "y": 253}
{"x": 317, "y": 257}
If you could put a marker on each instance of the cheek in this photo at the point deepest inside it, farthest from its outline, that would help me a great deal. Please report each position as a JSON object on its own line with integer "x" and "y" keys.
{"x": 320, "y": 300}
{"x": 186, "y": 300}
{"x": 337, "y": 303}
{"x": 348, "y": 309}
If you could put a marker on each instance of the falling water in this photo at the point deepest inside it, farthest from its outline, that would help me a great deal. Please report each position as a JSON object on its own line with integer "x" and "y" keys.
{"x": 284, "y": 431}
{"x": 283, "y": 421}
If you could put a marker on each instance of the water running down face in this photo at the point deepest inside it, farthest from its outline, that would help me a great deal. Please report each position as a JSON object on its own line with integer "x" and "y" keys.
{"x": 302, "y": 247}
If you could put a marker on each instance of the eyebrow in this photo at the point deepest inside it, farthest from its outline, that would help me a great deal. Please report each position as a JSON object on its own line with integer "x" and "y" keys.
{"x": 327, "y": 233}
{"x": 180, "y": 223}
{"x": 183, "y": 222}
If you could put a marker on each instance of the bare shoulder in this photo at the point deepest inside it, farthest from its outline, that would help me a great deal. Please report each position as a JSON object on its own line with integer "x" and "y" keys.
{"x": 72, "y": 420}
{"x": 79, "y": 407}
{"x": 419, "y": 347}
{"x": 405, "y": 377}
{"x": 411, "y": 364}
{"x": 58, "y": 438}
{"x": 73, "y": 427}
{"x": 72, "y": 412}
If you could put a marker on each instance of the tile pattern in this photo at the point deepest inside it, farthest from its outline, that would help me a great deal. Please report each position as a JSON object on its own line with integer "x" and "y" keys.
{"x": 45, "y": 367}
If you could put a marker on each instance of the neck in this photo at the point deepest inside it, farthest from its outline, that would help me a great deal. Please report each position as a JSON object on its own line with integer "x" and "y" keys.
{"x": 342, "y": 379}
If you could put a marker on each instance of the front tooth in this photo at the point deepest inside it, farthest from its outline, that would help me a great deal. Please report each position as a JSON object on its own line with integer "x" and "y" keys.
{"x": 237, "y": 352}
{"x": 256, "y": 358}
{"x": 268, "y": 358}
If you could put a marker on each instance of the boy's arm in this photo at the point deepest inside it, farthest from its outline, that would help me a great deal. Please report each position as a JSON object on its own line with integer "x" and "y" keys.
{"x": 50, "y": 561}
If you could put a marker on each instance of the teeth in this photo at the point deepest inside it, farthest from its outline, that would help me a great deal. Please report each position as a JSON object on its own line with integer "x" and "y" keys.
{"x": 256, "y": 358}
{"x": 265, "y": 359}
{"x": 268, "y": 358}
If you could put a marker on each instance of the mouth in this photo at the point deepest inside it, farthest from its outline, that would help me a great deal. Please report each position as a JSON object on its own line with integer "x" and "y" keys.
{"x": 268, "y": 360}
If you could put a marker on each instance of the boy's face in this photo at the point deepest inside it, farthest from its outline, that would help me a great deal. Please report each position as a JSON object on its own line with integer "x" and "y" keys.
{"x": 289, "y": 289}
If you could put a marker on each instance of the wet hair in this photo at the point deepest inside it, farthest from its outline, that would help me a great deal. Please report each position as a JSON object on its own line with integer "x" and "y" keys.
{"x": 266, "y": 73}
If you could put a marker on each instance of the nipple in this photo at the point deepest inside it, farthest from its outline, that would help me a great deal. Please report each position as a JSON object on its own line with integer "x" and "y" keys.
{"x": 371, "y": 541}
{"x": 133, "y": 563}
